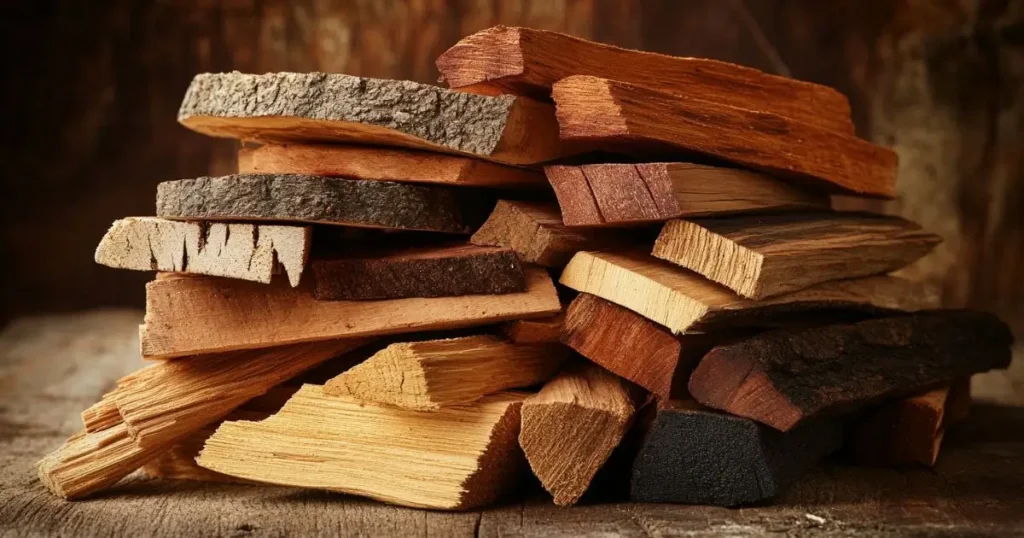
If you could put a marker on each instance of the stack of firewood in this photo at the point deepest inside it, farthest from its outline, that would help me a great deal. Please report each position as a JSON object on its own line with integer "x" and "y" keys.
{"x": 320, "y": 319}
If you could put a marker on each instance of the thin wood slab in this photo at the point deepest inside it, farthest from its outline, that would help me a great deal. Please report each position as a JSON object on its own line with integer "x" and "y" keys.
{"x": 596, "y": 114}
{"x": 455, "y": 458}
{"x": 181, "y": 310}
{"x": 776, "y": 378}
{"x": 534, "y": 331}
{"x": 529, "y": 62}
{"x": 321, "y": 107}
{"x": 627, "y": 194}
{"x": 764, "y": 256}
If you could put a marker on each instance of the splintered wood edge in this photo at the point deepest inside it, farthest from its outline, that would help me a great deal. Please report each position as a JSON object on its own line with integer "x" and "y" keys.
{"x": 734, "y": 266}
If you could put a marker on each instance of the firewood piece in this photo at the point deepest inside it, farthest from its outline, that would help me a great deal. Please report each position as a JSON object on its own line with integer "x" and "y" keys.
{"x": 529, "y": 62}
{"x": 322, "y": 200}
{"x": 696, "y": 456}
{"x": 621, "y": 194}
{"x": 570, "y": 428}
{"x": 179, "y": 461}
{"x": 764, "y": 256}
{"x": 455, "y": 458}
{"x": 181, "y": 310}
{"x": 684, "y": 301}
{"x": 385, "y": 164}
{"x": 320, "y": 107}
{"x": 776, "y": 378}
{"x": 534, "y": 331}
{"x": 246, "y": 251}
{"x": 596, "y": 114}
{"x": 437, "y": 271}
{"x": 102, "y": 414}
{"x": 429, "y": 375}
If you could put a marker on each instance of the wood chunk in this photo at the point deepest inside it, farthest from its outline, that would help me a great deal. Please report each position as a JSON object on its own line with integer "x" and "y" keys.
{"x": 180, "y": 311}
{"x": 435, "y": 271}
{"x": 534, "y": 331}
{"x": 529, "y": 62}
{"x": 246, "y": 251}
{"x": 102, "y": 414}
{"x": 622, "y": 194}
{"x": 764, "y": 256}
{"x": 179, "y": 461}
{"x": 455, "y": 458}
{"x": 684, "y": 301}
{"x": 385, "y": 164}
{"x": 429, "y": 375}
{"x": 776, "y": 378}
{"x": 597, "y": 114}
{"x": 696, "y": 456}
{"x": 570, "y": 428}
{"x": 321, "y": 107}
{"x": 323, "y": 200}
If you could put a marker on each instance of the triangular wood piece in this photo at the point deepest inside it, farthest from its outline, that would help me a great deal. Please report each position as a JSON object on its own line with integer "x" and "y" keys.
{"x": 322, "y": 107}
{"x": 764, "y": 256}
{"x": 776, "y": 378}
{"x": 534, "y": 331}
{"x": 597, "y": 114}
{"x": 245, "y": 251}
{"x": 684, "y": 301}
{"x": 455, "y": 458}
{"x": 529, "y": 62}
{"x": 624, "y": 194}
{"x": 432, "y": 374}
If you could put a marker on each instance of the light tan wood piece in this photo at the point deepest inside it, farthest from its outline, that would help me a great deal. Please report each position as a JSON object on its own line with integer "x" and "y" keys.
{"x": 535, "y": 331}
{"x": 179, "y": 461}
{"x": 245, "y": 251}
{"x": 102, "y": 414}
{"x": 455, "y": 458}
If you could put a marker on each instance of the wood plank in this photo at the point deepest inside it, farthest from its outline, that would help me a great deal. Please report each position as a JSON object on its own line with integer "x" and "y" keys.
{"x": 529, "y": 62}
{"x": 433, "y": 374}
{"x": 385, "y": 164}
{"x": 764, "y": 256}
{"x": 596, "y": 114}
{"x": 775, "y": 377}
{"x": 245, "y": 251}
{"x": 321, "y": 107}
{"x": 323, "y": 200}
{"x": 180, "y": 310}
{"x": 684, "y": 301}
{"x": 534, "y": 331}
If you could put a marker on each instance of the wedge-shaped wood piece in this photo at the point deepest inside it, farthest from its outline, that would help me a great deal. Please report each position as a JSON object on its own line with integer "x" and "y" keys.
{"x": 245, "y": 251}
{"x": 436, "y": 271}
{"x": 776, "y": 378}
{"x": 625, "y": 194}
{"x": 429, "y": 375}
{"x": 321, "y": 107}
{"x": 684, "y": 301}
{"x": 692, "y": 455}
{"x": 455, "y": 458}
{"x": 180, "y": 310}
{"x": 571, "y": 427}
{"x": 323, "y": 200}
{"x": 597, "y": 114}
{"x": 385, "y": 164}
{"x": 529, "y": 62}
{"x": 764, "y": 256}
{"x": 534, "y": 331}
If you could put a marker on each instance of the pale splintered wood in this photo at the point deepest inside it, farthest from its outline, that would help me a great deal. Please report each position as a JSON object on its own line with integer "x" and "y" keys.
{"x": 764, "y": 256}
{"x": 572, "y": 425}
{"x": 534, "y": 331}
{"x": 246, "y": 251}
{"x": 102, "y": 414}
{"x": 684, "y": 301}
{"x": 180, "y": 312}
{"x": 454, "y": 458}
{"x": 428, "y": 375}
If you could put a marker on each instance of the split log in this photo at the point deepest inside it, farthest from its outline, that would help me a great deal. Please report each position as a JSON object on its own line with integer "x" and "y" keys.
{"x": 776, "y": 378}
{"x": 534, "y": 331}
{"x": 321, "y": 107}
{"x": 769, "y": 255}
{"x": 596, "y": 114}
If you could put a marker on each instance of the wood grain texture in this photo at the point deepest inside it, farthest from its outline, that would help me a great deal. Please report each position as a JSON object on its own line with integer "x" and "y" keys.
{"x": 179, "y": 311}
{"x": 596, "y": 114}
{"x": 776, "y": 377}
{"x": 331, "y": 107}
{"x": 684, "y": 301}
{"x": 534, "y": 331}
{"x": 323, "y": 200}
{"x": 529, "y": 62}
{"x": 764, "y": 256}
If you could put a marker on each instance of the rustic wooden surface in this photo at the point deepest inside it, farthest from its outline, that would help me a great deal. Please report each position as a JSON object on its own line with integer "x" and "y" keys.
{"x": 53, "y": 367}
